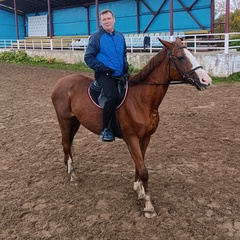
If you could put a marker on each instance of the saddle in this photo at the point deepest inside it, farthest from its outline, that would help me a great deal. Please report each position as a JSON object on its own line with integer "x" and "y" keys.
{"x": 99, "y": 98}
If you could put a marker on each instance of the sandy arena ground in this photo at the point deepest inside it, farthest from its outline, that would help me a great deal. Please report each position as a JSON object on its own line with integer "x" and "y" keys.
{"x": 193, "y": 161}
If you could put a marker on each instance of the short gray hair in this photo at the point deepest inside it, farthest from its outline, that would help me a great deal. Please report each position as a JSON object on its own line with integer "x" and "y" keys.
{"x": 106, "y": 11}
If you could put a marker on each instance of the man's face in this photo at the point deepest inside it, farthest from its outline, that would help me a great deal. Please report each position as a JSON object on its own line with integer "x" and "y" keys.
{"x": 107, "y": 21}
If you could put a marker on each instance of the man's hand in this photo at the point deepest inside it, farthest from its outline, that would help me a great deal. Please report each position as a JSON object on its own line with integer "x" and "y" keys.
{"x": 106, "y": 70}
{"x": 126, "y": 72}
{"x": 109, "y": 71}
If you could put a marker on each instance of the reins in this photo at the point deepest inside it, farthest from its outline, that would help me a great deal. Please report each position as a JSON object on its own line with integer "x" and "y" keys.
{"x": 158, "y": 84}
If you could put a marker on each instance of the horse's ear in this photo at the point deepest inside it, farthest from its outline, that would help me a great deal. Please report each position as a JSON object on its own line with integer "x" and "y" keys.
{"x": 167, "y": 44}
{"x": 179, "y": 40}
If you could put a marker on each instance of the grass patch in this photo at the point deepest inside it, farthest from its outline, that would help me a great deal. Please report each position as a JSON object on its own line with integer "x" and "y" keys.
{"x": 20, "y": 57}
{"x": 235, "y": 77}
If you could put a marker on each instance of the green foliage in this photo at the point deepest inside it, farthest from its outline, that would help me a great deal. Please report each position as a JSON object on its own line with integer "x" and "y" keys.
{"x": 234, "y": 22}
{"x": 234, "y": 41}
{"x": 235, "y": 77}
{"x": 13, "y": 56}
{"x": 133, "y": 70}
{"x": 38, "y": 59}
{"x": 21, "y": 57}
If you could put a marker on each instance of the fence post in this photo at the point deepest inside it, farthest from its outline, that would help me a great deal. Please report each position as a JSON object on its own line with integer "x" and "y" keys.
{"x": 51, "y": 44}
{"x": 131, "y": 45}
{"x": 72, "y": 45}
{"x": 195, "y": 44}
{"x": 226, "y": 43}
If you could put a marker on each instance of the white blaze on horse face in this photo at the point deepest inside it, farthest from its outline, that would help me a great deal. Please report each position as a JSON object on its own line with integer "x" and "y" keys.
{"x": 203, "y": 76}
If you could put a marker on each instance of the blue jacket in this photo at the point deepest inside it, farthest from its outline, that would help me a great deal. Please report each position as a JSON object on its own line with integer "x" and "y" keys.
{"x": 106, "y": 50}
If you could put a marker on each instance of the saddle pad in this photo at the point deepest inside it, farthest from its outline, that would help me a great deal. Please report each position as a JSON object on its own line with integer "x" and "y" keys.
{"x": 94, "y": 91}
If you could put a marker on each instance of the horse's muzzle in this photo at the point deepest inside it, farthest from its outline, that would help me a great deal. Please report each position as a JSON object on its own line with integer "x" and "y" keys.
{"x": 199, "y": 86}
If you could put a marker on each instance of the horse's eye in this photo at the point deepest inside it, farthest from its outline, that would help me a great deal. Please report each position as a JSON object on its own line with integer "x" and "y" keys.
{"x": 181, "y": 58}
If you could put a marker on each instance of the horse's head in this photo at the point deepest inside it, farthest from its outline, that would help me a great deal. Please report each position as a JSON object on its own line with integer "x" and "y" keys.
{"x": 184, "y": 66}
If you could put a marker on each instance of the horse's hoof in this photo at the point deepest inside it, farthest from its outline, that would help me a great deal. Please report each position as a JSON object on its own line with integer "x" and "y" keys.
{"x": 74, "y": 179}
{"x": 73, "y": 182}
{"x": 150, "y": 214}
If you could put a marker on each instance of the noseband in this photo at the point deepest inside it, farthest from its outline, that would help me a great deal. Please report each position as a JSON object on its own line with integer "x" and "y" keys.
{"x": 184, "y": 75}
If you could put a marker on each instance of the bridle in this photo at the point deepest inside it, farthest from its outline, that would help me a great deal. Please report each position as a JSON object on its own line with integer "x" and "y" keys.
{"x": 186, "y": 79}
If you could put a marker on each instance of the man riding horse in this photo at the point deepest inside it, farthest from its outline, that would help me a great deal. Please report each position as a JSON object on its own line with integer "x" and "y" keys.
{"x": 106, "y": 55}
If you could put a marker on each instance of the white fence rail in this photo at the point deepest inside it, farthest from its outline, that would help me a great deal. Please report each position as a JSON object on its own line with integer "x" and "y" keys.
{"x": 135, "y": 42}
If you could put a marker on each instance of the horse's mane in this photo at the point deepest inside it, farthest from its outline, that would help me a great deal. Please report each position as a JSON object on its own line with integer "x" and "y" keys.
{"x": 148, "y": 68}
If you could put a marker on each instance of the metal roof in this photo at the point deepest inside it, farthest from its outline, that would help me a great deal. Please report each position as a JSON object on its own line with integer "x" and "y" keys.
{"x": 35, "y": 6}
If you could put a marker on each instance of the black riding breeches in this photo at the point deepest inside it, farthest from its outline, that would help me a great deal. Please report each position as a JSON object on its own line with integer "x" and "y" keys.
{"x": 109, "y": 85}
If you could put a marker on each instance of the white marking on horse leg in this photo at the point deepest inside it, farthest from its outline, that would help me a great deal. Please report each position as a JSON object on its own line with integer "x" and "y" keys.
{"x": 73, "y": 176}
{"x": 70, "y": 165}
{"x": 138, "y": 187}
{"x": 149, "y": 211}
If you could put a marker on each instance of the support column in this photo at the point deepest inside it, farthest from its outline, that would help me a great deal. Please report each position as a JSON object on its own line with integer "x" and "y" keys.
{"x": 138, "y": 17}
{"x": 16, "y": 19}
{"x": 171, "y": 19}
{"x": 212, "y": 16}
{"x": 50, "y": 20}
{"x": 88, "y": 21}
{"x": 227, "y": 16}
{"x": 97, "y": 14}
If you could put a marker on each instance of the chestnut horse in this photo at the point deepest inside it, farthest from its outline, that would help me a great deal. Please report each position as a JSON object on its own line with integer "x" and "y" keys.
{"x": 138, "y": 116}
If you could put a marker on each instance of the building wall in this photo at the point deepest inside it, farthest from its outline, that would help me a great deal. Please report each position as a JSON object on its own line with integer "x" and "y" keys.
{"x": 70, "y": 22}
{"x": 73, "y": 21}
{"x": 7, "y": 25}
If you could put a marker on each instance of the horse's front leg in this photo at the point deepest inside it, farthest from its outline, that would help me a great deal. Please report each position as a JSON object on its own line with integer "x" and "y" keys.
{"x": 70, "y": 169}
{"x": 137, "y": 151}
{"x": 149, "y": 211}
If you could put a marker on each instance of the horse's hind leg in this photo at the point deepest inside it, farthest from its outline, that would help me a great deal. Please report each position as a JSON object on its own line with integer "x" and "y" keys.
{"x": 75, "y": 124}
{"x": 69, "y": 127}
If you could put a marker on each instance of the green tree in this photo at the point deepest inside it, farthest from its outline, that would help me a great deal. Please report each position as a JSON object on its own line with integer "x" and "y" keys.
{"x": 235, "y": 21}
